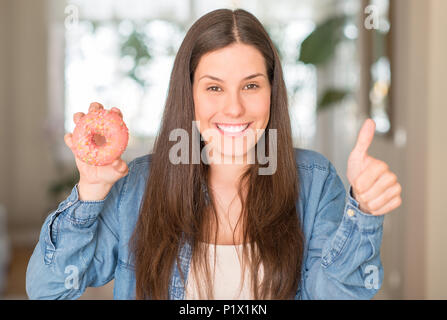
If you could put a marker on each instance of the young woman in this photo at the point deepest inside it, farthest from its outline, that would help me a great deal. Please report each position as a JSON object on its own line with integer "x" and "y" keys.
{"x": 220, "y": 229}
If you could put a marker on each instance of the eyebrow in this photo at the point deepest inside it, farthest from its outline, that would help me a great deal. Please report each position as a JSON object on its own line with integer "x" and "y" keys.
{"x": 246, "y": 78}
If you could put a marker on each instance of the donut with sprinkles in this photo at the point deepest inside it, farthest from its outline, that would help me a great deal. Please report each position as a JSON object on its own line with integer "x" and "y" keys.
{"x": 105, "y": 123}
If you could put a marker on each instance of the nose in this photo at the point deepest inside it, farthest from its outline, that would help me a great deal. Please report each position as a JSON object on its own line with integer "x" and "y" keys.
{"x": 233, "y": 105}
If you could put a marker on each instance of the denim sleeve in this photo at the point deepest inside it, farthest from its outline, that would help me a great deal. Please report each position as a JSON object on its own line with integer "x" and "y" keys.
{"x": 77, "y": 247}
{"x": 343, "y": 260}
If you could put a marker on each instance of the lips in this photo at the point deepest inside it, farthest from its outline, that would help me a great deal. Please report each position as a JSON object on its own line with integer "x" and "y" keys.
{"x": 232, "y": 129}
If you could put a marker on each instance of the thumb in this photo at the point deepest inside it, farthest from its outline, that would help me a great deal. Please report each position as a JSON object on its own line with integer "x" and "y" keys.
{"x": 365, "y": 137}
{"x": 68, "y": 140}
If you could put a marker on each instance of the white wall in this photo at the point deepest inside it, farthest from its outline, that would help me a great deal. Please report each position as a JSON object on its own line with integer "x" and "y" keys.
{"x": 4, "y": 111}
{"x": 419, "y": 85}
{"x": 436, "y": 250}
{"x": 25, "y": 165}
{"x": 409, "y": 89}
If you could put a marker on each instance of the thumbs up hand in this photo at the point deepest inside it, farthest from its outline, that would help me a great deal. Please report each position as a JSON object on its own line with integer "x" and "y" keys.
{"x": 374, "y": 186}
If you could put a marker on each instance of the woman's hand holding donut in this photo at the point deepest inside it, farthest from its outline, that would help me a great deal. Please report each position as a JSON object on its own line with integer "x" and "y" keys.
{"x": 95, "y": 182}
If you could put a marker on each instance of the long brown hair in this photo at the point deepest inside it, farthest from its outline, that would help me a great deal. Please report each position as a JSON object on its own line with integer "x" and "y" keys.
{"x": 174, "y": 204}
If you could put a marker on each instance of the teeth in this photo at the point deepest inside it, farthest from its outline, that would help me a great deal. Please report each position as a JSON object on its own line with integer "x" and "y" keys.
{"x": 233, "y": 129}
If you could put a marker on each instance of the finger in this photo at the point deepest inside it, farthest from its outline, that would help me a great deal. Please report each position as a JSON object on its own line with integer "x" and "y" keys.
{"x": 385, "y": 181}
{"x": 115, "y": 163}
{"x": 124, "y": 170}
{"x": 369, "y": 176}
{"x": 391, "y": 205}
{"x": 68, "y": 140}
{"x": 384, "y": 197}
{"x": 77, "y": 116}
{"x": 119, "y": 165}
{"x": 365, "y": 137}
{"x": 114, "y": 109}
{"x": 95, "y": 106}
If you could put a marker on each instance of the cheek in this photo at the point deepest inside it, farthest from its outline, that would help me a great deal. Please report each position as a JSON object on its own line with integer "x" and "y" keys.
{"x": 204, "y": 110}
{"x": 260, "y": 108}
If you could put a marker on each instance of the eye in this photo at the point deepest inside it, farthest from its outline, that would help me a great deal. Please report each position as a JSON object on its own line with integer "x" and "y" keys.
{"x": 214, "y": 88}
{"x": 253, "y": 84}
{"x": 208, "y": 89}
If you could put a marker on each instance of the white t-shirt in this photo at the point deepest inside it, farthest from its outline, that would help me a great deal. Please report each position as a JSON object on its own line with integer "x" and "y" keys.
{"x": 228, "y": 277}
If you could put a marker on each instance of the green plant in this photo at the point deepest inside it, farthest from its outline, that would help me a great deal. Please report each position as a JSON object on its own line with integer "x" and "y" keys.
{"x": 319, "y": 47}
{"x": 135, "y": 46}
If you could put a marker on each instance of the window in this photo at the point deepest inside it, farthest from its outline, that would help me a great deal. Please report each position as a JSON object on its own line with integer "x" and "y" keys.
{"x": 121, "y": 53}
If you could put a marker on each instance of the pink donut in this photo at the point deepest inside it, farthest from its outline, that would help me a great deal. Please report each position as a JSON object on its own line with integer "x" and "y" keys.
{"x": 107, "y": 124}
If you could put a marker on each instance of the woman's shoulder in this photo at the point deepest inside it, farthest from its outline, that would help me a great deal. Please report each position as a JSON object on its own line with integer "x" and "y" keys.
{"x": 310, "y": 160}
{"x": 133, "y": 183}
{"x": 319, "y": 183}
{"x": 143, "y": 160}
{"x": 140, "y": 165}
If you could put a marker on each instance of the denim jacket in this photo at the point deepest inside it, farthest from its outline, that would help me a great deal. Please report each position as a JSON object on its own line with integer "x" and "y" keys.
{"x": 85, "y": 243}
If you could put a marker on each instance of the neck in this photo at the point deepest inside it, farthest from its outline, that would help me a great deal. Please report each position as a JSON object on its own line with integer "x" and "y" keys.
{"x": 226, "y": 175}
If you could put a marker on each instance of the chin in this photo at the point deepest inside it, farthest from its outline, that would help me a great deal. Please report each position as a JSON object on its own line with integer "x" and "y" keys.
{"x": 229, "y": 152}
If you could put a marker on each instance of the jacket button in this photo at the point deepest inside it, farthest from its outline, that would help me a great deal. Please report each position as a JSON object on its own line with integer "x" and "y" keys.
{"x": 351, "y": 212}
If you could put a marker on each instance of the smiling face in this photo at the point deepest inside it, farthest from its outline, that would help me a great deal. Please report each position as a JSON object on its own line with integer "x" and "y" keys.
{"x": 231, "y": 94}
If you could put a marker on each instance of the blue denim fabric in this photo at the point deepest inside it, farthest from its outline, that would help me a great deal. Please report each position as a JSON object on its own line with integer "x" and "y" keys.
{"x": 88, "y": 240}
